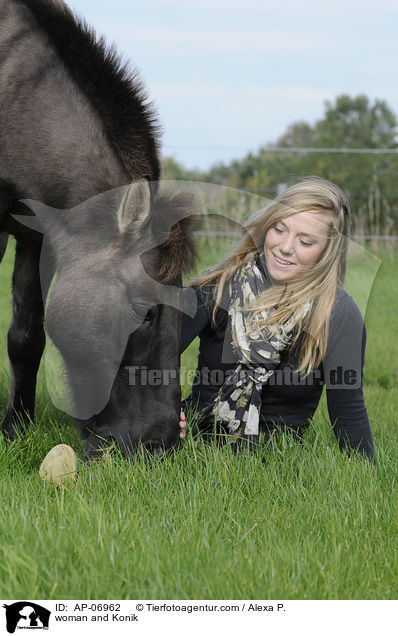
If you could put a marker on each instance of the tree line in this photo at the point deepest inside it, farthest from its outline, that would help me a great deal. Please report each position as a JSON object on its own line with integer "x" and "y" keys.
{"x": 354, "y": 145}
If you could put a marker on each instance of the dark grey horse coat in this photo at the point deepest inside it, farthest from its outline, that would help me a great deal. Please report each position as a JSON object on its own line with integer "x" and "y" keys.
{"x": 74, "y": 123}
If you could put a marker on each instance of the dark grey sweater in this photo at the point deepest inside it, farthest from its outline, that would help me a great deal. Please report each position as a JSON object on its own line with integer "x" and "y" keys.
{"x": 288, "y": 400}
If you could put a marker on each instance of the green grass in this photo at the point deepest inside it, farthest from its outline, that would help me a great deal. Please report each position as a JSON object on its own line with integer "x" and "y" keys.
{"x": 290, "y": 521}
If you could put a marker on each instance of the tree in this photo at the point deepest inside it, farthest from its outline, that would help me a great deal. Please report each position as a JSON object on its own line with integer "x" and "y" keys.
{"x": 298, "y": 135}
{"x": 174, "y": 171}
{"x": 353, "y": 122}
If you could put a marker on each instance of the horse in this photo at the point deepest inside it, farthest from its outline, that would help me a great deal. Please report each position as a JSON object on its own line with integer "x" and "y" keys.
{"x": 79, "y": 171}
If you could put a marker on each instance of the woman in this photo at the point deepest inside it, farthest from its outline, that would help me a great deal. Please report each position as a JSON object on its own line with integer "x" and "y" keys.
{"x": 275, "y": 324}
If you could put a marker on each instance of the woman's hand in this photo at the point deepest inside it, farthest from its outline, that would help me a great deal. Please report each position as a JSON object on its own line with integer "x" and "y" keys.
{"x": 183, "y": 425}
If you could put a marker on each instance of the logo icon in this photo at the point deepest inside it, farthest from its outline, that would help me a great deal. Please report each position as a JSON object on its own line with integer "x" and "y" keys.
{"x": 26, "y": 615}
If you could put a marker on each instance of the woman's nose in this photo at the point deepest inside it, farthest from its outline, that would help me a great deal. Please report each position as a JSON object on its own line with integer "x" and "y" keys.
{"x": 286, "y": 245}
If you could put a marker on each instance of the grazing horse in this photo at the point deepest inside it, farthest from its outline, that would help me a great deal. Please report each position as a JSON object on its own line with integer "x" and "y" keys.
{"x": 79, "y": 148}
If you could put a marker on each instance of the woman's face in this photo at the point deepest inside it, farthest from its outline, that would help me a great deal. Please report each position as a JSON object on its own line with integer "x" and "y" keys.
{"x": 294, "y": 245}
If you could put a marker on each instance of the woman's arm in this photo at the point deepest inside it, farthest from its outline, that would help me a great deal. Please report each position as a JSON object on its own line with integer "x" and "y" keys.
{"x": 343, "y": 372}
{"x": 192, "y": 327}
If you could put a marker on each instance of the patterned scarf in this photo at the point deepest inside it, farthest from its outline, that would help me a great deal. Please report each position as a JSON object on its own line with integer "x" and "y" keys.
{"x": 238, "y": 403}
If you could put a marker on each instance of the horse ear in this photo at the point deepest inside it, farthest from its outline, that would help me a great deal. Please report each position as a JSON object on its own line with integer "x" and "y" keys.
{"x": 135, "y": 205}
{"x": 45, "y": 217}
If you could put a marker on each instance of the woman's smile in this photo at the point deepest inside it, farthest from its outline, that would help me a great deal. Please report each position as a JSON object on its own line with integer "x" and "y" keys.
{"x": 281, "y": 261}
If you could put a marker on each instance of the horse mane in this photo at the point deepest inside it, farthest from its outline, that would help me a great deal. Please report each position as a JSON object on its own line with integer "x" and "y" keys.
{"x": 115, "y": 91}
{"x": 178, "y": 253}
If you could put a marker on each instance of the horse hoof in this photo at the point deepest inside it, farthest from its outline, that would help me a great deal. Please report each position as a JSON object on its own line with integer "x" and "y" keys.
{"x": 12, "y": 428}
{"x": 59, "y": 467}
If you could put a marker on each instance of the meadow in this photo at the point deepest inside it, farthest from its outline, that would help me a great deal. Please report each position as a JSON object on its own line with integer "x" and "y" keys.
{"x": 289, "y": 521}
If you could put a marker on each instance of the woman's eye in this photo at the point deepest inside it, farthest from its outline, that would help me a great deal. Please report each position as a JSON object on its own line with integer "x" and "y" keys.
{"x": 305, "y": 243}
{"x": 278, "y": 229}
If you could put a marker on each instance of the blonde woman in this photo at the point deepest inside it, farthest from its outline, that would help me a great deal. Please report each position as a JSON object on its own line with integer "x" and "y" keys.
{"x": 276, "y": 326}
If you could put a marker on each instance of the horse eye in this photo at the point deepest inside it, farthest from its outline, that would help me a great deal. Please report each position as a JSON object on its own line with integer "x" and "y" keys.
{"x": 149, "y": 316}
{"x": 142, "y": 313}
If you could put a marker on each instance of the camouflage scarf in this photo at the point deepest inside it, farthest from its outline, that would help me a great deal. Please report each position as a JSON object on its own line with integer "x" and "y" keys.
{"x": 238, "y": 403}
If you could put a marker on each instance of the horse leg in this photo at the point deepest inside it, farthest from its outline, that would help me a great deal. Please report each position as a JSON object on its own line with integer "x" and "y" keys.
{"x": 26, "y": 337}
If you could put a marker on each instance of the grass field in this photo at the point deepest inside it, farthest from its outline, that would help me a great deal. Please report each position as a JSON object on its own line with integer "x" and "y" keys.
{"x": 288, "y": 522}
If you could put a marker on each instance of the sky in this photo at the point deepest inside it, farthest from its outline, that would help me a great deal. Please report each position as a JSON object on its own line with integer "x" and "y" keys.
{"x": 229, "y": 76}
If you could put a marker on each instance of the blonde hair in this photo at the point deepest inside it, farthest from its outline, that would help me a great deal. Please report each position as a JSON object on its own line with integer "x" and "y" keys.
{"x": 317, "y": 286}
